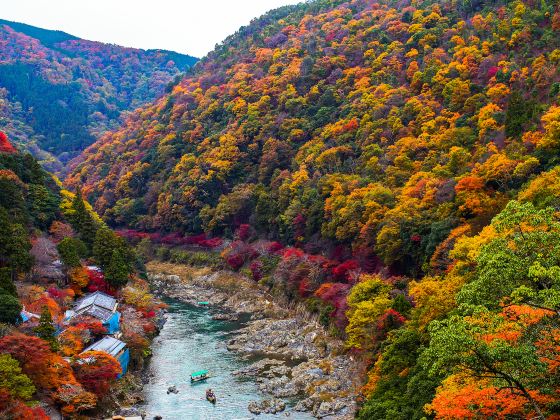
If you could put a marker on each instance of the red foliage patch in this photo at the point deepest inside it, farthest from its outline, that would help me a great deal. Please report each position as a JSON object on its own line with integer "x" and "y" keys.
{"x": 97, "y": 282}
{"x": 244, "y": 232}
{"x": 5, "y": 145}
{"x": 335, "y": 294}
{"x": 14, "y": 409}
{"x": 344, "y": 271}
{"x": 235, "y": 261}
{"x": 390, "y": 320}
{"x": 274, "y": 247}
{"x": 292, "y": 253}
{"x": 256, "y": 269}
{"x": 96, "y": 371}
{"x": 211, "y": 243}
{"x": 492, "y": 71}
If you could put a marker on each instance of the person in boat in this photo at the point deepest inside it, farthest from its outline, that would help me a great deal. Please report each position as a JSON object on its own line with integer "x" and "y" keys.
{"x": 210, "y": 394}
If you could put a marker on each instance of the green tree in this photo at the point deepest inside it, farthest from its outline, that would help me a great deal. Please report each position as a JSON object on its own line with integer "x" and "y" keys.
{"x": 458, "y": 344}
{"x": 12, "y": 199}
{"x": 118, "y": 270}
{"x": 19, "y": 247}
{"x": 525, "y": 257}
{"x": 13, "y": 380}
{"x": 14, "y": 245}
{"x": 106, "y": 241}
{"x": 46, "y": 329}
{"x": 145, "y": 249}
{"x": 10, "y": 309}
{"x": 71, "y": 250}
{"x": 43, "y": 205}
{"x": 82, "y": 220}
{"x": 367, "y": 301}
{"x": 404, "y": 387}
{"x": 7, "y": 286}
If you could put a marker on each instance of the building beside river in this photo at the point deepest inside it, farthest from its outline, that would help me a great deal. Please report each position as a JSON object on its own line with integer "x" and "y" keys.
{"x": 101, "y": 306}
{"x": 115, "y": 348}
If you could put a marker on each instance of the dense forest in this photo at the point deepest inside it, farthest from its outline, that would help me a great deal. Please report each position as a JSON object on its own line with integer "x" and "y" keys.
{"x": 49, "y": 241}
{"x": 398, "y": 161}
{"x": 58, "y": 93}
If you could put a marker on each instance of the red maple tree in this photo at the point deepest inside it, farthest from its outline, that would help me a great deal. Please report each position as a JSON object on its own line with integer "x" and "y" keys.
{"x": 5, "y": 145}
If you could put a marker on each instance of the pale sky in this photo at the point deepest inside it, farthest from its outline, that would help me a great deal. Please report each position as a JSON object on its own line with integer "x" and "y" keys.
{"x": 188, "y": 26}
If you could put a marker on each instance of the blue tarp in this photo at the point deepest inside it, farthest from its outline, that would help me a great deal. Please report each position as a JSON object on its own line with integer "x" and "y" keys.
{"x": 123, "y": 360}
{"x": 115, "y": 348}
{"x": 112, "y": 324}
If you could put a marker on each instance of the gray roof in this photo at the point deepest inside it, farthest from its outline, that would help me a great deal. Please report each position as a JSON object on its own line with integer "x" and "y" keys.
{"x": 108, "y": 345}
{"x": 98, "y": 304}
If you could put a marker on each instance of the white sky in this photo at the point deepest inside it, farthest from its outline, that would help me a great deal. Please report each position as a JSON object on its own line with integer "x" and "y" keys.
{"x": 188, "y": 26}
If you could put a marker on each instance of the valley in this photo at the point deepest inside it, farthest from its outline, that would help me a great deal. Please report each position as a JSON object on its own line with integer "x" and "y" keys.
{"x": 59, "y": 93}
{"x": 289, "y": 354}
{"x": 346, "y": 209}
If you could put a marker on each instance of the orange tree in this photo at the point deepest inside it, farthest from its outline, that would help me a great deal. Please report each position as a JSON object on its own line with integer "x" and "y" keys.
{"x": 96, "y": 371}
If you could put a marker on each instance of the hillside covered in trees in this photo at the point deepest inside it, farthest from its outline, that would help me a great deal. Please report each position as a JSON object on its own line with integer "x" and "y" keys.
{"x": 58, "y": 93}
{"x": 53, "y": 251}
{"x": 400, "y": 158}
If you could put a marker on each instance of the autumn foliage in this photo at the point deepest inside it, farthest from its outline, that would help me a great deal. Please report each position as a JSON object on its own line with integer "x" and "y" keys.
{"x": 96, "y": 371}
{"x": 5, "y": 145}
{"x": 405, "y": 156}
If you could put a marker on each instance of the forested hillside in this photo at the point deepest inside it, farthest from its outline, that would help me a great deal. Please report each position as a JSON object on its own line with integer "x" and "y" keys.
{"x": 58, "y": 93}
{"x": 406, "y": 154}
{"x": 49, "y": 239}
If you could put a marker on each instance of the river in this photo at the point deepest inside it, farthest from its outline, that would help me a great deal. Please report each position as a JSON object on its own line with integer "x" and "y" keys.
{"x": 191, "y": 340}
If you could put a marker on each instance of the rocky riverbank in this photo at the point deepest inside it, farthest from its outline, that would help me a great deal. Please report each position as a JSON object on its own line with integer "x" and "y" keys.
{"x": 296, "y": 358}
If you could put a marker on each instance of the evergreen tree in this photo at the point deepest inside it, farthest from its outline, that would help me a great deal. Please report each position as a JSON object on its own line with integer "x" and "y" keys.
{"x": 82, "y": 220}
{"x": 10, "y": 309}
{"x": 118, "y": 270}
{"x": 19, "y": 247}
{"x": 5, "y": 230}
{"x": 43, "y": 205}
{"x": 12, "y": 198}
{"x": 14, "y": 245}
{"x": 106, "y": 241}
{"x": 46, "y": 329}
{"x": 7, "y": 286}
{"x": 71, "y": 250}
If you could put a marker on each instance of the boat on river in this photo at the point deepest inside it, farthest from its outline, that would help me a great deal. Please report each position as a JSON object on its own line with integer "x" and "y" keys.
{"x": 210, "y": 396}
{"x": 201, "y": 375}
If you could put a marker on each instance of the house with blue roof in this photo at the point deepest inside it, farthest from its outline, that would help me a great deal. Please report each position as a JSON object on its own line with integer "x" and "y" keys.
{"x": 101, "y": 306}
{"x": 115, "y": 348}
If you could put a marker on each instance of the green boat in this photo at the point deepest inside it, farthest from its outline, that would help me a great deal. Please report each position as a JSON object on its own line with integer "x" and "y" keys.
{"x": 201, "y": 375}
{"x": 204, "y": 303}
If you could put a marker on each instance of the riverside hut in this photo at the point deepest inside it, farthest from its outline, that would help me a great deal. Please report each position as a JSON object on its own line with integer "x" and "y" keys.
{"x": 115, "y": 348}
{"x": 101, "y": 306}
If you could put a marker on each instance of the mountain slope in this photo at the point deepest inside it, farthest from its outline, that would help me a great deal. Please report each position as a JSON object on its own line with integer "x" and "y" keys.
{"x": 59, "y": 92}
{"x": 408, "y": 153}
{"x": 386, "y": 105}
{"x": 49, "y": 238}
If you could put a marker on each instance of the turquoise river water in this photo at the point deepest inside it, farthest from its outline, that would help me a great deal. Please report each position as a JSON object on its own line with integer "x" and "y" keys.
{"x": 191, "y": 340}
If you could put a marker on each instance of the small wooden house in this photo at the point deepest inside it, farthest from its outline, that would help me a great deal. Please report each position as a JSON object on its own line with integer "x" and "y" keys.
{"x": 115, "y": 348}
{"x": 101, "y": 306}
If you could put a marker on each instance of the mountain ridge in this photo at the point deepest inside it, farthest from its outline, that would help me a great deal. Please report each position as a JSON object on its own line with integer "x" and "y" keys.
{"x": 84, "y": 87}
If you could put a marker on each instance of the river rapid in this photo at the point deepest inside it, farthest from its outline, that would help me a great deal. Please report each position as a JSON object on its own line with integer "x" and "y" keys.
{"x": 189, "y": 341}
{"x": 268, "y": 359}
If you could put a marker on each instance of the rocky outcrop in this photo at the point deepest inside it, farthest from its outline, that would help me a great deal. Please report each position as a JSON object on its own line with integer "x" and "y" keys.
{"x": 299, "y": 359}
{"x": 271, "y": 406}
